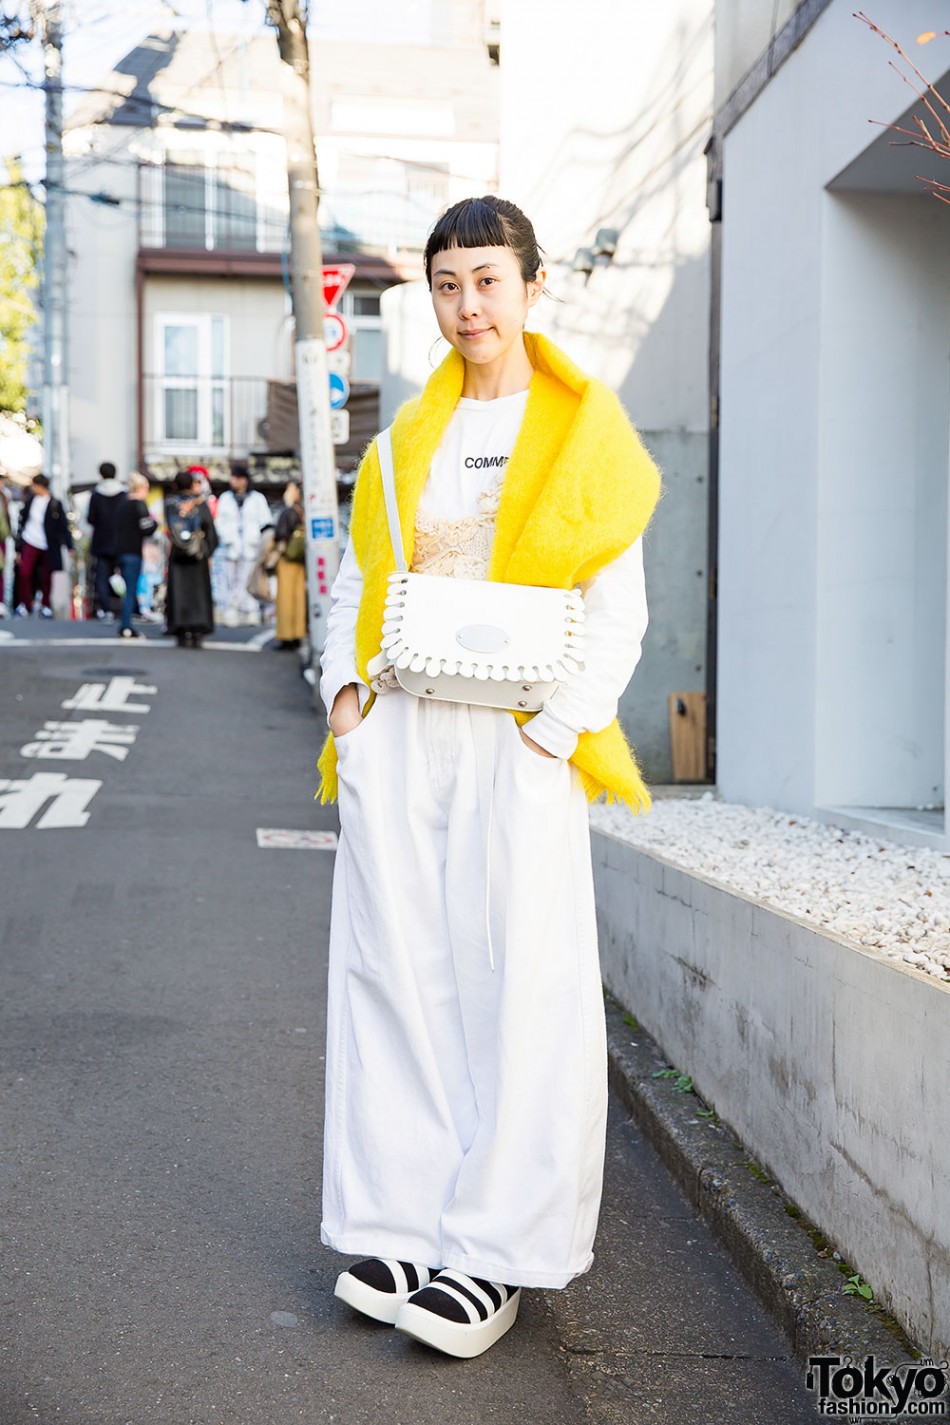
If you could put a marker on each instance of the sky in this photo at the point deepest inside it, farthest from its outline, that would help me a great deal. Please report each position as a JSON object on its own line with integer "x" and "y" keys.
{"x": 97, "y": 33}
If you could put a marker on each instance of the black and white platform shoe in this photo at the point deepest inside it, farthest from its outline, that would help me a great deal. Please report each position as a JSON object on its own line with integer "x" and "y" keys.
{"x": 379, "y": 1286}
{"x": 458, "y": 1314}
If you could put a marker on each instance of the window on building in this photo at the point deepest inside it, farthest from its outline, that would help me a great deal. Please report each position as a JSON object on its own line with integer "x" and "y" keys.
{"x": 211, "y": 203}
{"x": 191, "y": 361}
{"x": 367, "y": 347}
{"x": 185, "y": 205}
{"x": 427, "y": 186}
{"x": 234, "y": 203}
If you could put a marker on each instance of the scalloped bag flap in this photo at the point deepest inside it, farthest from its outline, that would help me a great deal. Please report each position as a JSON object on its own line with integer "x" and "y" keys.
{"x": 488, "y": 624}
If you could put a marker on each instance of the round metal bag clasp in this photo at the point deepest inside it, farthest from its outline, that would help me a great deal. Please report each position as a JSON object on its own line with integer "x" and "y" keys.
{"x": 482, "y": 637}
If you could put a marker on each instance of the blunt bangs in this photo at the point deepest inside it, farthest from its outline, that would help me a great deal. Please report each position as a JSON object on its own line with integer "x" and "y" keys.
{"x": 484, "y": 222}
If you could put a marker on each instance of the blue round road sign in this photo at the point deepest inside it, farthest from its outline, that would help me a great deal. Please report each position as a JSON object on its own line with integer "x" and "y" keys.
{"x": 339, "y": 390}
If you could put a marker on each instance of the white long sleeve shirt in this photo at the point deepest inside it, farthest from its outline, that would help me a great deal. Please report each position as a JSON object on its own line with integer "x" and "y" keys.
{"x": 478, "y": 439}
{"x": 240, "y": 526}
{"x": 35, "y": 531}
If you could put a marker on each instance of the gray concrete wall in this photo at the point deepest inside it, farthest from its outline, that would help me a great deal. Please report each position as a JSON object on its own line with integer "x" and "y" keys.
{"x": 830, "y": 1062}
{"x": 674, "y": 650}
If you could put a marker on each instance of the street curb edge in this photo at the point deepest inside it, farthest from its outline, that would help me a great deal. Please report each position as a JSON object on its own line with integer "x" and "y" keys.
{"x": 802, "y": 1291}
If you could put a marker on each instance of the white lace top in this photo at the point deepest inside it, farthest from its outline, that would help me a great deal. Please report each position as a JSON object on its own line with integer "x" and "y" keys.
{"x": 459, "y": 549}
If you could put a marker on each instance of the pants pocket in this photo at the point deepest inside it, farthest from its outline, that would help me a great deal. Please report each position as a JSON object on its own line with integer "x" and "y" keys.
{"x": 529, "y": 752}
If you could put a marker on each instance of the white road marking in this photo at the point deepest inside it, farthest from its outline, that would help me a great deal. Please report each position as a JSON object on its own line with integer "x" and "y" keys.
{"x": 137, "y": 645}
{"x": 275, "y": 840}
{"x": 21, "y": 799}
{"x": 110, "y": 697}
{"x": 74, "y": 741}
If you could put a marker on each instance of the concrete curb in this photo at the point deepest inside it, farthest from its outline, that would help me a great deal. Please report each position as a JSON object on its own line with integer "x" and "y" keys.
{"x": 776, "y": 1256}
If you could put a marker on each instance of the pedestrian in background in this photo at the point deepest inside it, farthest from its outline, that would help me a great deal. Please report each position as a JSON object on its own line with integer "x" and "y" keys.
{"x": 189, "y": 612}
{"x": 6, "y": 532}
{"x": 102, "y": 517}
{"x": 243, "y": 515}
{"x": 42, "y": 535}
{"x": 466, "y": 1066}
{"x": 291, "y": 570}
{"x": 133, "y": 524}
{"x": 202, "y": 486}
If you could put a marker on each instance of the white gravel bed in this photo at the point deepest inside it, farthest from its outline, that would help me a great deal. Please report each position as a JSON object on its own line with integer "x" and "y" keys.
{"x": 892, "y": 897}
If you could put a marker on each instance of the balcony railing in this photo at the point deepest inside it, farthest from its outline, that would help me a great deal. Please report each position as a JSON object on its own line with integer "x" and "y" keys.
{"x": 189, "y": 208}
{"x": 201, "y": 419}
{"x": 205, "y": 209}
{"x": 190, "y": 417}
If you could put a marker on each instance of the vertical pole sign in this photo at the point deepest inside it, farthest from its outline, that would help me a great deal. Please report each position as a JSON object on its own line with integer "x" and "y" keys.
{"x": 316, "y": 365}
{"x": 55, "y": 382}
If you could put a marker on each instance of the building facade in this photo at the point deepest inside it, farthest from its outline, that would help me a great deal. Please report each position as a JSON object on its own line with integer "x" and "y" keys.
{"x": 835, "y": 411}
{"x": 737, "y": 246}
{"x": 182, "y": 339}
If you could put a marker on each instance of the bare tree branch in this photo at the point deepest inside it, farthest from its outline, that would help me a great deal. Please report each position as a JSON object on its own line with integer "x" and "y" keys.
{"x": 930, "y": 97}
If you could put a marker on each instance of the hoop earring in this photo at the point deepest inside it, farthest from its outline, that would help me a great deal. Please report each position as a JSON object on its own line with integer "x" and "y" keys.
{"x": 432, "y": 349}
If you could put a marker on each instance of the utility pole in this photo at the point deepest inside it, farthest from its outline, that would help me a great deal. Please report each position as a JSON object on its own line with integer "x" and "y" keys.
{"x": 317, "y": 459}
{"x": 55, "y": 383}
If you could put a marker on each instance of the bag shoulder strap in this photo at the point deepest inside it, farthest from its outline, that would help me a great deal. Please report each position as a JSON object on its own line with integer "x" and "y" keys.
{"x": 384, "y": 449}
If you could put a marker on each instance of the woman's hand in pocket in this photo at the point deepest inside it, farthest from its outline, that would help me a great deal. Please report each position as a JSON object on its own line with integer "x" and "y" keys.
{"x": 535, "y": 746}
{"x": 345, "y": 713}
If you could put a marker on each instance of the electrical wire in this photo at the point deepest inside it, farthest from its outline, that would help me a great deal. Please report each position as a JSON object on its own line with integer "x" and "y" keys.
{"x": 226, "y": 126}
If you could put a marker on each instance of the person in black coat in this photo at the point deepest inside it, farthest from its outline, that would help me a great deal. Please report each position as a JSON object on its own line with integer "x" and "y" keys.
{"x": 42, "y": 534}
{"x": 104, "y": 504}
{"x": 189, "y": 611}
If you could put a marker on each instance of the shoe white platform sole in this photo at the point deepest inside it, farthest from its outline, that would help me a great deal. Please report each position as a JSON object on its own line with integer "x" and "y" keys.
{"x": 457, "y": 1338}
{"x": 380, "y": 1305}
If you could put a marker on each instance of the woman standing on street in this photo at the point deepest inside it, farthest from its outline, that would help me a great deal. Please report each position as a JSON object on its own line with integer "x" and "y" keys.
{"x": 291, "y": 570}
{"x": 466, "y": 1086}
{"x": 133, "y": 523}
{"x": 42, "y": 535}
{"x": 189, "y": 612}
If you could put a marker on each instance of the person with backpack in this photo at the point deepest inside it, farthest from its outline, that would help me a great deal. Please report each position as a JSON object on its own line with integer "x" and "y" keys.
{"x": 189, "y": 611}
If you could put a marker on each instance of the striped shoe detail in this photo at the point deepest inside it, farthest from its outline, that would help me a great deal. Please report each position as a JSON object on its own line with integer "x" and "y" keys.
{"x": 386, "y": 1274}
{"x": 379, "y": 1286}
{"x": 459, "y": 1314}
{"x": 484, "y": 1297}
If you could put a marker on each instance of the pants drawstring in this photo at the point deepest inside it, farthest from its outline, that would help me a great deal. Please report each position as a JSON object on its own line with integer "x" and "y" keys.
{"x": 483, "y": 730}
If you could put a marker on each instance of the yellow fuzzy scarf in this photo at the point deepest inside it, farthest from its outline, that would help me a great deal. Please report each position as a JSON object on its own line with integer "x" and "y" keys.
{"x": 579, "y": 489}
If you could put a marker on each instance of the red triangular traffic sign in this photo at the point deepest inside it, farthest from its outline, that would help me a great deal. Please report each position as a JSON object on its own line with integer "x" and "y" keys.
{"x": 335, "y": 281}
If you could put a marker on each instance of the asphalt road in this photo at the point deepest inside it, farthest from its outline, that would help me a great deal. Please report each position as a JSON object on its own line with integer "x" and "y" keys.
{"x": 162, "y": 1002}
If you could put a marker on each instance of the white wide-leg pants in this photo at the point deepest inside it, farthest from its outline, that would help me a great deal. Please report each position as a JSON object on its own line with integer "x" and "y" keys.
{"x": 466, "y": 1066}
{"x": 235, "y": 595}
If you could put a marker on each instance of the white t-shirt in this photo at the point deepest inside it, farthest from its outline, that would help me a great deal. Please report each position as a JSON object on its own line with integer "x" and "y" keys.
{"x": 472, "y": 454}
{"x": 35, "y": 531}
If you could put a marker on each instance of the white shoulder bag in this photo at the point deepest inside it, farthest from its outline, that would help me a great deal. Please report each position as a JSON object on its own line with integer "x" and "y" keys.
{"x": 475, "y": 640}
